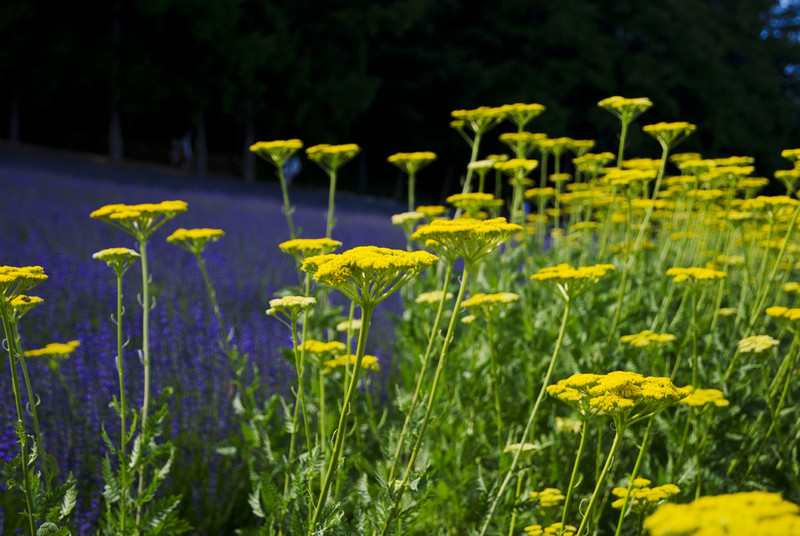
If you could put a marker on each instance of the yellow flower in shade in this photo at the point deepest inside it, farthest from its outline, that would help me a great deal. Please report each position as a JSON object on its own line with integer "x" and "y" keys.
{"x": 669, "y": 134}
{"x": 320, "y": 348}
{"x": 139, "y": 221}
{"x": 792, "y": 287}
{"x": 789, "y": 177}
{"x": 581, "y": 147}
{"x": 629, "y": 178}
{"x": 21, "y": 304}
{"x": 431, "y": 211}
{"x": 433, "y": 297}
{"x": 626, "y": 109}
{"x": 526, "y": 448}
{"x": 568, "y": 425}
{"x": 410, "y": 163}
{"x": 535, "y": 193}
{"x": 647, "y": 164}
{"x": 517, "y": 167}
{"x": 695, "y": 274}
{"x": 747, "y": 513}
{"x": 466, "y": 238}
{"x": 521, "y": 114}
{"x": 308, "y": 247}
{"x": 683, "y": 157}
{"x": 479, "y": 120}
{"x": 626, "y": 396}
{"x": 14, "y": 281}
{"x": 559, "y": 177}
{"x": 555, "y": 529}
{"x": 290, "y": 306}
{"x": 194, "y": 240}
{"x": 592, "y": 163}
{"x": 728, "y": 311}
{"x": 332, "y": 157}
{"x": 368, "y": 274}
{"x": 490, "y": 304}
{"x": 569, "y": 281}
{"x": 784, "y": 313}
{"x": 644, "y": 338}
{"x": 355, "y": 325}
{"x": 405, "y": 219}
{"x": 119, "y": 259}
{"x": 522, "y": 143}
{"x": 548, "y": 497}
{"x": 757, "y": 344}
{"x": 643, "y": 498}
{"x": 54, "y": 349}
{"x": 368, "y": 362}
{"x": 276, "y": 152}
{"x": 698, "y": 398}
{"x": 472, "y": 202}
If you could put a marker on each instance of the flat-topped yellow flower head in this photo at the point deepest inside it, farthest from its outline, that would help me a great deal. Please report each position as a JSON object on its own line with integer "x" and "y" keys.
{"x": 308, "y": 247}
{"x": 695, "y": 275}
{"x": 643, "y": 498}
{"x": 321, "y": 348}
{"x": 592, "y": 163}
{"x": 290, "y": 306}
{"x": 555, "y": 529}
{"x": 332, "y": 157}
{"x": 792, "y": 155}
{"x": 139, "y": 221}
{"x": 277, "y": 152}
{"x": 479, "y": 120}
{"x": 568, "y": 281}
{"x": 433, "y": 297}
{"x": 54, "y": 352}
{"x": 670, "y": 134}
{"x": 746, "y": 513}
{"x": 548, "y": 497}
{"x": 626, "y": 396}
{"x": 521, "y": 114}
{"x": 15, "y": 281}
{"x": 21, "y": 304}
{"x": 626, "y": 109}
{"x": 647, "y": 337}
{"x": 368, "y": 274}
{"x": 757, "y": 344}
{"x": 471, "y": 202}
{"x": 431, "y": 211}
{"x": 700, "y": 398}
{"x": 522, "y": 143}
{"x": 119, "y": 259}
{"x": 194, "y": 240}
{"x": 490, "y": 304}
{"x": 411, "y": 162}
{"x": 517, "y": 167}
{"x": 369, "y": 363}
{"x": 466, "y": 238}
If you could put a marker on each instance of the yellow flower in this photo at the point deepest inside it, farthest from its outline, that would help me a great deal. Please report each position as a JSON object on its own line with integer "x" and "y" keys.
{"x": 525, "y": 141}
{"x": 748, "y": 513}
{"x": 490, "y": 304}
{"x": 570, "y": 281}
{"x": 276, "y": 152}
{"x": 332, "y": 157}
{"x": 643, "y": 499}
{"x": 526, "y": 448}
{"x": 307, "y": 247}
{"x": 368, "y": 362}
{"x": 194, "y": 240}
{"x": 119, "y": 259}
{"x": 784, "y": 313}
{"x": 548, "y": 497}
{"x": 433, "y": 297}
{"x": 22, "y": 303}
{"x": 700, "y": 397}
{"x": 431, "y": 211}
{"x": 668, "y": 134}
{"x": 479, "y": 119}
{"x": 626, "y": 109}
{"x": 290, "y": 306}
{"x": 407, "y": 218}
{"x": 314, "y": 346}
{"x": 629, "y": 177}
{"x": 559, "y": 177}
{"x": 695, "y": 274}
{"x": 14, "y": 281}
{"x": 792, "y": 155}
{"x": 368, "y": 274}
{"x": 592, "y": 163}
{"x": 644, "y": 338}
{"x": 554, "y": 529}
{"x": 757, "y": 344}
{"x": 647, "y": 164}
{"x": 471, "y": 202}
{"x": 520, "y": 114}
{"x": 139, "y": 221}
{"x": 355, "y": 325}
{"x": 411, "y": 162}
{"x": 54, "y": 352}
{"x": 466, "y": 238}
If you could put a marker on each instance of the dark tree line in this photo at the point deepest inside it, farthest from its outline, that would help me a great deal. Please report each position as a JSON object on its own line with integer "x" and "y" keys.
{"x": 126, "y": 77}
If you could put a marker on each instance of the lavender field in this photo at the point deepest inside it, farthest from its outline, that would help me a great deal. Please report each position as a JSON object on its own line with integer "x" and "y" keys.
{"x": 44, "y": 221}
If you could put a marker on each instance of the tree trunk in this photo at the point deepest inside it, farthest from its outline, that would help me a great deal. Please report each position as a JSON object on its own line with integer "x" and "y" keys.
{"x": 248, "y": 157}
{"x": 201, "y": 148}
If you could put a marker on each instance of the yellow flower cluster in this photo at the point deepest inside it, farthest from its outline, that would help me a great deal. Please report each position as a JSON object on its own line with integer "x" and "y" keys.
{"x": 431, "y": 211}
{"x": 407, "y": 218}
{"x": 54, "y": 349}
{"x": 307, "y": 247}
{"x": 291, "y": 306}
{"x": 14, "y": 281}
{"x": 432, "y": 297}
{"x": 478, "y": 119}
{"x": 555, "y": 529}
{"x": 22, "y": 304}
{"x": 695, "y": 274}
{"x": 520, "y": 114}
{"x": 622, "y": 178}
{"x": 119, "y": 259}
{"x": 490, "y": 304}
{"x": 368, "y": 274}
{"x": 621, "y": 394}
{"x": 548, "y": 497}
{"x": 517, "y": 167}
{"x": 276, "y": 152}
{"x": 535, "y": 193}
{"x": 643, "y": 498}
{"x": 194, "y": 240}
{"x": 644, "y": 338}
{"x": 368, "y": 362}
{"x": 332, "y": 157}
{"x": 700, "y": 397}
{"x": 570, "y": 281}
{"x": 669, "y": 133}
{"x": 626, "y": 109}
{"x": 784, "y": 313}
{"x": 792, "y": 155}
{"x": 465, "y": 237}
{"x": 526, "y": 141}
{"x": 412, "y": 162}
{"x": 140, "y": 221}
{"x": 526, "y": 448}
{"x": 592, "y": 163}
{"x": 737, "y": 514}
{"x": 756, "y": 344}
{"x": 314, "y": 346}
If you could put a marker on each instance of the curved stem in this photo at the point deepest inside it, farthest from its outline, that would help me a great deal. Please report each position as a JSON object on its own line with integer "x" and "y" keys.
{"x": 366, "y": 315}
{"x": 634, "y": 474}
{"x": 600, "y": 480}
{"x": 529, "y": 424}
{"x": 573, "y": 476}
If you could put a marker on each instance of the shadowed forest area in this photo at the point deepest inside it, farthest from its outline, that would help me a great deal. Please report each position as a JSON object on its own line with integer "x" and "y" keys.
{"x": 129, "y": 78}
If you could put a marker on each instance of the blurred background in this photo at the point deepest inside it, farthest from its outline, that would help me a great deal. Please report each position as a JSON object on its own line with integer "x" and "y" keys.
{"x": 146, "y": 79}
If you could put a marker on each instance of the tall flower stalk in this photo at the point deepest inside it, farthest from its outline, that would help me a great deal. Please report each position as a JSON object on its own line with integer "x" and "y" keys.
{"x": 330, "y": 158}
{"x": 277, "y": 153}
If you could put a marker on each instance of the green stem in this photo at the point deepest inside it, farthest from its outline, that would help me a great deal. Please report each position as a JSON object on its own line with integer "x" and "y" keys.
{"x": 573, "y": 476}
{"x": 620, "y": 154}
{"x": 529, "y": 425}
{"x": 431, "y": 397}
{"x": 287, "y": 208}
{"x": 634, "y": 474}
{"x": 600, "y": 480}
{"x": 411, "y": 179}
{"x": 123, "y": 463}
{"x": 495, "y": 384}
{"x": 366, "y": 315}
{"x": 331, "y": 192}
{"x": 145, "y": 362}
